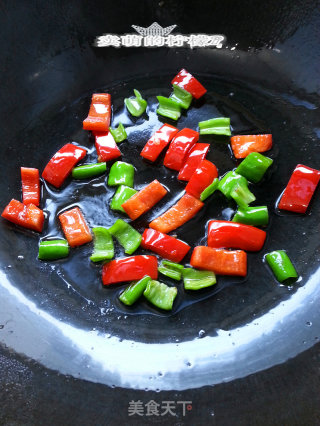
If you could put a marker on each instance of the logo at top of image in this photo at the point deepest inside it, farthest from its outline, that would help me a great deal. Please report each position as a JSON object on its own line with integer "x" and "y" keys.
{"x": 157, "y": 36}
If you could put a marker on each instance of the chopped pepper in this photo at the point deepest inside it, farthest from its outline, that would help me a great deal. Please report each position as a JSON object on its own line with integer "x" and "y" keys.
{"x": 158, "y": 141}
{"x": 128, "y": 237}
{"x": 99, "y": 113}
{"x": 121, "y": 174}
{"x": 179, "y": 148}
{"x": 144, "y": 200}
{"x": 122, "y": 194}
{"x": 186, "y": 81}
{"x": 215, "y": 126}
{"x": 61, "y": 164}
{"x": 224, "y": 234}
{"x": 209, "y": 189}
{"x": 75, "y": 227}
{"x": 119, "y": 134}
{"x": 88, "y": 170}
{"x": 136, "y": 105}
{"x": 256, "y": 216}
{"x": 103, "y": 245}
{"x": 129, "y": 269}
{"x": 160, "y": 295}
{"x": 53, "y": 249}
{"x": 184, "y": 210}
{"x": 28, "y": 216}
{"x": 235, "y": 186}
{"x": 181, "y": 96}
{"x": 281, "y": 266}
{"x": 243, "y": 145}
{"x": 241, "y": 195}
{"x": 219, "y": 261}
{"x": 201, "y": 178}
{"x": 254, "y": 166}
{"x": 168, "y": 108}
{"x": 164, "y": 245}
{"x": 300, "y": 189}
{"x": 194, "y": 279}
{"x": 134, "y": 291}
{"x": 106, "y": 146}
{"x": 197, "y": 154}
{"x": 30, "y": 186}
{"x": 171, "y": 270}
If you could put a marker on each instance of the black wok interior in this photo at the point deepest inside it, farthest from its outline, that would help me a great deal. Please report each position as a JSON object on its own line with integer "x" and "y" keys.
{"x": 266, "y": 77}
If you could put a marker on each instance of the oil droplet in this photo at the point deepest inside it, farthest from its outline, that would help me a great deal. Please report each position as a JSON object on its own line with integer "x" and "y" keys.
{"x": 201, "y": 334}
{"x": 1, "y": 326}
{"x": 309, "y": 323}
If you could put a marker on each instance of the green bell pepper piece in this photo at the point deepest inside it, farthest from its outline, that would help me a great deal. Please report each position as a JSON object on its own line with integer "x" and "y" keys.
{"x": 281, "y": 266}
{"x": 256, "y": 216}
{"x": 171, "y": 269}
{"x": 53, "y": 249}
{"x": 181, "y": 96}
{"x": 134, "y": 291}
{"x": 209, "y": 189}
{"x": 119, "y": 133}
{"x": 89, "y": 170}
{"x": 127, "y": 236}
{"x": 242, "y": 195}
{"x": 254, "y": 166}
{"x": 121, "y": 174}
{"x": 194, "y": 279}
{"x": 122, "y": 194}
{"x": 215, "y": 126}
{"x": 136, "y": 105}
{"x": 103, "y": 245}
{"x": 235, "y": 186}
{"x": 168, "y": 108}
{"x": 160, "y": 295}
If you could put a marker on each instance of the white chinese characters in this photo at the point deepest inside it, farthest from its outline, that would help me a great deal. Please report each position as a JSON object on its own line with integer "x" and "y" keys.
{"x": 157, "y": 36}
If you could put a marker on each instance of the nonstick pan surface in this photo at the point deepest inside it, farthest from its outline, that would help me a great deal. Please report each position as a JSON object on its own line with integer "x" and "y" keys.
{"x": 234, "y": 350}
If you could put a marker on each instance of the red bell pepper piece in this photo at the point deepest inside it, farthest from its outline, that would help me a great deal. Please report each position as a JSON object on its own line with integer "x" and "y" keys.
{"x": 201, "y": 178}
{"x": 224, "y": 234}
{"x": 30, "y": 186}
{"x": 179, "y": 148}
{"x": 243, "y": 145}
{"x": 300, "y": 189}
{"x": 75, "y": 227}
{"x": 144, "y": 200}
{"x": 29, "y": 216}
{"x": 164, "y": 245}
{"x": 62, "y": 163}
{"x": 106, "y": 147}
{"x": 197, "y": 154}
{"x": 129, "y": 269}
{"x": 99, "y": 114}
{"x": 158, "y": 141}
{"x": 184, "y": 210}
{"x": 186, "y": 80}
{"x": 221, "y": 262}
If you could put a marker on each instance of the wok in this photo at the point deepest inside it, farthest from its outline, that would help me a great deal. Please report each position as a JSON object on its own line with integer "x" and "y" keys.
{"x": 246, "y": 352}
